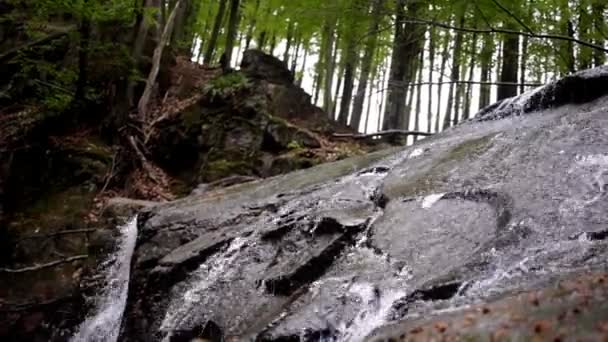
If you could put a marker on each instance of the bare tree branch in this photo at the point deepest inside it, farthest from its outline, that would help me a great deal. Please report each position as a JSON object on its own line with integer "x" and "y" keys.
{"x": 382, "y": 133}
{"x": 43, "y": 266}
{"x": 505, "y": 31}
{"x": 59, "y": 233}
{"x": 506, "y": 10}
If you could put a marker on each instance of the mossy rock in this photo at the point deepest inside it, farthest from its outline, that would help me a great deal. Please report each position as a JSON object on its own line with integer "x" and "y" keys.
{"x": 432, "y": 179}
{"x": 223, "y": 168}
{"x": 292, "y": 162}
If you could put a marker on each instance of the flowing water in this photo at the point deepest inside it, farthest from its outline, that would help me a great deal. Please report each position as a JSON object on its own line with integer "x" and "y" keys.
{"x": 103, "y": 325}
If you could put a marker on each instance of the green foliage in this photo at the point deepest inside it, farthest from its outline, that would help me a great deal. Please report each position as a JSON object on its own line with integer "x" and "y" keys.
{"x": 227, "y": 85}
{"x": 294, "y": 145}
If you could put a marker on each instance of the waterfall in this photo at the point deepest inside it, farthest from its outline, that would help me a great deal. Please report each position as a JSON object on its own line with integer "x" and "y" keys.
{"x": 103, "y": 325}
{"x": 375, "y": 307}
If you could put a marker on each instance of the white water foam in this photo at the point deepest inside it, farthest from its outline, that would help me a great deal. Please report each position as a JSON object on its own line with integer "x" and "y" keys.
{"x": 104, "y": 324}
{"x": 430, "y": 200}
{"x": 208, "y": 274}
{"x": 376, "y": 305}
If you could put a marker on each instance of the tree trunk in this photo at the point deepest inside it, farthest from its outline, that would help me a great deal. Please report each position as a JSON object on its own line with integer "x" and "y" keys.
{"x": 366, "y": 63}
{"x": 523, "y": 64}
{"x": 338, "y": 84}
{"x": 294, "y": 59}
{"x": 303, "y": 69}
{"x": 251, "y": 26}
{"x": 429, "y": 108}
{"x": 585, "y": 54}
{"x": 350, "y": 65}
{"x": 508, "y": 70}
{"x": 288, "y": 43}
{"x": 410, "y": 101}
{"x": 158, "y": 52}
{"x": 215, "y": 33}
{"x": 179, "y": 26}
{"x": 566, "y": 48}
{"x": 486, "y": 70}
{"x": 330, "y": 55}
{"x": 599, "y": 25}
{"x": 406, "y": 46}
{"x": 83, "y": 59}
{"x": 418, "y": 93}
{"x": 233, "y": 25}
{"x": 381, "y": 104}
{"x": 450, "y": 119}
{"x": 369, "y": 99}
{"x": 466, "y": 114}
{"x": 444, "y": 60}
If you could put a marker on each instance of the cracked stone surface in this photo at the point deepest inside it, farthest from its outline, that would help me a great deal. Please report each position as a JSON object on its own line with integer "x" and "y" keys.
{"x": 376, "y": 246}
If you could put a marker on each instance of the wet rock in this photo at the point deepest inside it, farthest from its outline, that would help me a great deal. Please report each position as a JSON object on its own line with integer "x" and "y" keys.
{"x": 402, "y": 242}
{"x": 125, "y": 207}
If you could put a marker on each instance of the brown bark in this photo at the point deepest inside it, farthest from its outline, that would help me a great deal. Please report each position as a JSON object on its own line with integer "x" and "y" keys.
{"x": 158, "y": 52}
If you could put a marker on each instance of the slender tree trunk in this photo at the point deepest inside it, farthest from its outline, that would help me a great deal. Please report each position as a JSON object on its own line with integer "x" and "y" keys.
{"x": 418, "y": 94}
{"x": 233, "y": 25}
{"x": 303, "y": 70}
{"x": 179, "y": 26}
{"x": 204, "y": 35}
{"x": 381, "y": 105}
{"x": 330, "y": 62}
{"x": 497, "y": 66}
{"x": 508, "y": 71}
{"x": 262, "y": 40}
{"x": 273, "y": 43}
{"x": 429, "y": 109}
{"x": 523, "y": 64}
{"x": 350, "y": 65}
{"x": 83, "y": 59}
{"x": 410, "y": 102}
{"x": 215, "y": 32}
{"x": 444, "y": 60}
{"x": 338, "y": 84}
{"x": 317, "y": 84}
{"x": 251, "y": 25}
{"x": 239, "y": 45}
{"x": 600, "y": 29}
{"x": 585, "y": 22}
{"x": 566, "y": 48}
{"x": 453, "y": 93}
{"x": 294, "y": 60}
{"x": 158, "y": 52}
{"x": 366, "y": 63}
{"x": 466, "y": 114}
{"x": 486, "y": 70}
{"x": 369, "y": 99}
{"x": 288, "y": 42}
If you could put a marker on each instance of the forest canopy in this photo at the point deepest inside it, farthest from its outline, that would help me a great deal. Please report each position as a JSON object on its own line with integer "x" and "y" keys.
{"x": 374, "y": 65}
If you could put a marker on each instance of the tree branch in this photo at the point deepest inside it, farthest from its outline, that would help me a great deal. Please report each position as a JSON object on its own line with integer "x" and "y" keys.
{"x": 382, "y": 133}
{"x": 43, "y": 266}
{"x": 505, "y": 31}
{"x": 506, "y": 10}
{"x": 59, "y": 233}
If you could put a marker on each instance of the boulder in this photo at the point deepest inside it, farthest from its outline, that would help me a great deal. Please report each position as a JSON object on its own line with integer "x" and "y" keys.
{"x": 258, "y": 64}
{"x": 396, "y": 243}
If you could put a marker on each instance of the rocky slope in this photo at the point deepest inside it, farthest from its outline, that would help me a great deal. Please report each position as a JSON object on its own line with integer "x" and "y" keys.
{"x": 210, "y": 130}
{"x": 399, "y": 242}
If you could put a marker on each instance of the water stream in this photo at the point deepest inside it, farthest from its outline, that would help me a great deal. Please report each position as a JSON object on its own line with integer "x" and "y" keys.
{"x": 103, "y": 324}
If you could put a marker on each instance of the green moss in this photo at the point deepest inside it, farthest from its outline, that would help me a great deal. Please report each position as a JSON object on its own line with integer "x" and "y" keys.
{"x": 227, "y": 85}
{"x": 222, "y": 168}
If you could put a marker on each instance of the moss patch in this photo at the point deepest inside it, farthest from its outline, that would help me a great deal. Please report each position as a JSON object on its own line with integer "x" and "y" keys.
{"x": 222, "y": 168}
